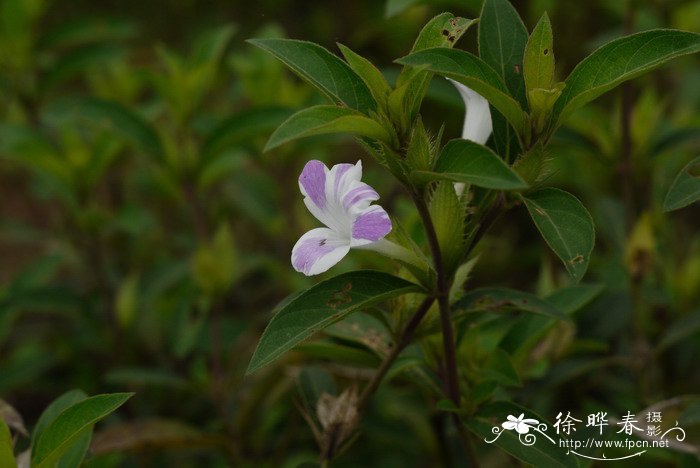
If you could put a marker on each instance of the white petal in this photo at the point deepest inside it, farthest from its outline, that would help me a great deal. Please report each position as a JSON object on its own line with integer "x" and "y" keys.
{"x": 318, "y": 250}
{"x": 509, "y": 425}
{"x": 477, "y": 116}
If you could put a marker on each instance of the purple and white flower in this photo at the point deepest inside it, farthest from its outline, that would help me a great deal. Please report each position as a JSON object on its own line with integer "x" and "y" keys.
{"x": 477, "y": 119}
{"x": 521, "y": 424}
{"x": 342, "y": 202}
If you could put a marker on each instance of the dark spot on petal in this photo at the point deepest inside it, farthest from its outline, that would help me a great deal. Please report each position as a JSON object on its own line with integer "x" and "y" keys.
{"x": 545, "y": 51}
{"x": 451, "y": 38}
{"x": 445, "y": 32}
{"x": 322, "y": 243}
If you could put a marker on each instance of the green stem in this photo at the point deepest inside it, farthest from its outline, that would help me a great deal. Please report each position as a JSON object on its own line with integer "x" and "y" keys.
{"x": 442, "y": 295}
{"x": 403, "y": 341}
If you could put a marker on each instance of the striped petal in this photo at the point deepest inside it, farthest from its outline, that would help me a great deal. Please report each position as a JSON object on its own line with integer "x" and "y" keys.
{"x": 318, "y": 250}
{"x": 370, "y": 225}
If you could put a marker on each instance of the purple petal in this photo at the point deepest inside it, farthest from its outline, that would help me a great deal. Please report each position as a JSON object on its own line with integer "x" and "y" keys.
{"x": 312, "y": 182}
{"x": 360, "y": 192}
{"x": 317, "y": 251}
{"x": 371, "y": 225}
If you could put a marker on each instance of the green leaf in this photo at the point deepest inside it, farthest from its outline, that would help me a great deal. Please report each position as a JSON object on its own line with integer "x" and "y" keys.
{"x": 149, "y": 434}
{"x": 52, "y": 411}
{"x": 243, "y": 126}
{"x": 502, "y": 40}
{"x": 320, "y": 120}
{"x": 528, "y": 330}
{"x": 538, "y": 65}
{"x": 498, "y": 299}
{"x": 466, "y": 161}
{"x": 683, "y": 328}
{"x": 71, "y": 424}
{"x": 370, "y": 74}
{"x": 320, "y": 306}
{"x": 118, "y": 118}
{"x": 472, "y": 72}
{"x": 685, "y": 189}
{"x": 394, "y": 7}
{"x": 566, "y": 225}
{"x": 499, "y": 368}
{"x": 618, "y": 61}
{"x": 7, "y": 456}
{"x": 542, "y": 452}
{"x": 443, "y": 31}
{"x": 316, "y": 65}
{"x": 571, "y": 299}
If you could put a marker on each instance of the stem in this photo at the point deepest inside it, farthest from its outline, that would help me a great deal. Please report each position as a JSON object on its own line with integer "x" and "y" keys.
{"x": 403, "y": 341}
{"x": 442, "y": 294}
{"x": 443, "y": 291}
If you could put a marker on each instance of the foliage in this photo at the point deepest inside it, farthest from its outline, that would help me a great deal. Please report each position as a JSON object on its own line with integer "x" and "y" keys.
{"x": 150, "y": 208}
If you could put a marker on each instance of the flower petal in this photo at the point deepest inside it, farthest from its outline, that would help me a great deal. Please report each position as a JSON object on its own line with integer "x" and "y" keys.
{"x": 318, "y": 250}
{"x": 477, "y": 117}
{"x": 358, "y": 197}
{"x": 312, "y": 182}
{"x": 512, "y": 418}
{"x": 531, "y": 422}
{"x": 370, "y": 225}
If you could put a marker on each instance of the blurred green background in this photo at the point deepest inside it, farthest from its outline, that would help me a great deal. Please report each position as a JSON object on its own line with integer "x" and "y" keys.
{"x": 145, "y": 237}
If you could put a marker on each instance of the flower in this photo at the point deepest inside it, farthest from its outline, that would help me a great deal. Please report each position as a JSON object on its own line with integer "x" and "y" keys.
{"x": 477, "y": 119}
{"x": 338, "y": 199}
{"x": 477, "y": 116}
{"x": 522, "y": 426}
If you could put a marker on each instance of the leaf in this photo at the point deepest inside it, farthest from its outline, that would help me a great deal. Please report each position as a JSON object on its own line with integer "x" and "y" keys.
{"x": 571, "y": 299}
{"x": 502, "y": 40}
{"x": 618, "y": 61}
{"x": 52, "y": 411}
{"x": 394, "y": 7}
{"x": 466, "y": 161}
{"x": 683, "y": 328}
{"x": 542, "y": 452}
{"x": 497, "y": 299}
{"x": 320, "y": 306}
{"x": 372, "y": 77}
{"x": 565, "y": 225}
{"x": 320, "y": 68}
{"x": 7, "y": 456}
{"x": 71, "y": 424}
{"x": 149, "y": 434}
{"x": 472, "y": 72}
{"x": 685, "y": 189}
{"x": 241, "y": 127}
{"x": 528, "y": 330}
{"x": 499, "y": 368}
{"x": 538, "y": 63}
{"x": 442, "y": 31}
{"x": 320, "y": 120}
{"x": 117, "y": 117}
